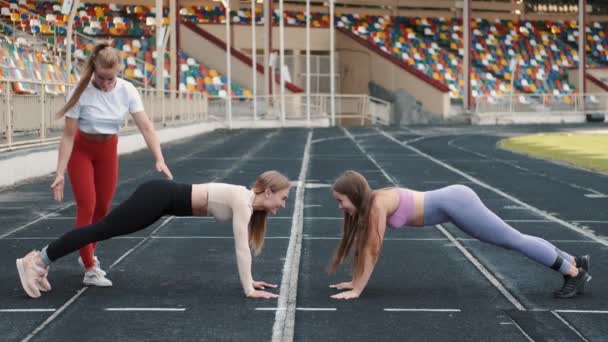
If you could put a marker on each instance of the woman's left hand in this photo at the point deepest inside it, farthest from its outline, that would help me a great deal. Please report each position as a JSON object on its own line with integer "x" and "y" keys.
{"x": 352, "y": 294}
{"x": 164, "y": 169}
{"x": 261, "y": 285}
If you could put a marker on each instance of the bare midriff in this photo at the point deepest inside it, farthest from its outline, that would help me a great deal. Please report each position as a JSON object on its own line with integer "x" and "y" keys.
{"x": 418, "y": 217}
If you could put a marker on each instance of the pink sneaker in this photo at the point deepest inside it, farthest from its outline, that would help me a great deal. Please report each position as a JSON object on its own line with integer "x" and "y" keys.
{"x": 31, "y": 269}
{"x": 43, "y": 283}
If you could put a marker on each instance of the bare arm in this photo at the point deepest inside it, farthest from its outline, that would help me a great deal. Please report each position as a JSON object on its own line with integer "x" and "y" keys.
{"x": 371, "y": 252}
{"x": 149, "y": 133}
{"x": 240, "y": 226}
{"x": 66, "y": 145}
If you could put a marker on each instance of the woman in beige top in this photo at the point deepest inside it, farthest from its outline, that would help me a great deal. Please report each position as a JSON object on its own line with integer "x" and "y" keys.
{"x": 248, "y": 210}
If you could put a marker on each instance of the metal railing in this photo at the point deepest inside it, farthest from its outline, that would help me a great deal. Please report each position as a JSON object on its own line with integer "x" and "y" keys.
{"x": 542, "y": 103}
{"x": 30, "y": 120}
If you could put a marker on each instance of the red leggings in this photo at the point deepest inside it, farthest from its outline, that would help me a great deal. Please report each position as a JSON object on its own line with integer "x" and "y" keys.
{"x": 93, "y": 172}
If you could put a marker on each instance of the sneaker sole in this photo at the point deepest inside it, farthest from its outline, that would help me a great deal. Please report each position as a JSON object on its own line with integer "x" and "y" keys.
{"x": 583, "y": 287}
{"x": 43, "y": 287}
{"x": 577, "y": 292}
{"x": 97, "y": 264}
{"x": 96, "y": 284}
{"x": 21, "y": 271}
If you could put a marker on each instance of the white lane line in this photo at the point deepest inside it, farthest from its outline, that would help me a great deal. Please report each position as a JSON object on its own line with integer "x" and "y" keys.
{"x": 35, "y": 221}
{"x": 419, "y": 310}
{"x": 491, "y": 278}
{"x": 127, "y": 253}
{"x": 147, "y": 309}
{"x": 27, "y": 310}
{"x": 316, "y": 309}
{"x": 521, "y": 330}
{"x": 54, "y": 315}
{"x": 339, "y": 138}
{"x": 284, "y": 323}
{"x": 83, "y": 289}
{"x": 537, "y": 211}
{"x": 593, "y": 193}
{"x": 596, "y": 195}
{"x": 283, "y": 309}
{"x": 468, "y": 255}
{"x": 386, "y": 175}
{"x": 566, "y": 323}
{"x": 582, "y": 311}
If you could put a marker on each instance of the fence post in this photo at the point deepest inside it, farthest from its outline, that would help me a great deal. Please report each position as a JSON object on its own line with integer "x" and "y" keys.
{"x": 9, "y": 114}
{"x": 42, "y": 114}
{"x": 161, "y": 94}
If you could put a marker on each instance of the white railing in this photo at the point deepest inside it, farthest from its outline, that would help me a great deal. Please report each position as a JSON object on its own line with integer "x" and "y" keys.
{"x": 542, "y": 103}
{"x": 29, "y": 120}
{"x": 362, "y": 108}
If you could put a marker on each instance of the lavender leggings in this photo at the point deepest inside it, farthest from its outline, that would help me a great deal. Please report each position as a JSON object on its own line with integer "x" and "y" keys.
{"x": 461, "y": 206}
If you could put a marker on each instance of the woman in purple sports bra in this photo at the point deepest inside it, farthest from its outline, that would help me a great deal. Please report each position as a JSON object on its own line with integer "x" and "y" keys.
{"x": 367, "y": 212}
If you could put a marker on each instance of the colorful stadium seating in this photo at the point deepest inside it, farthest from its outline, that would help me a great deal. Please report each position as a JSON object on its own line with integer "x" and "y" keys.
{"x": 541, "y": 51}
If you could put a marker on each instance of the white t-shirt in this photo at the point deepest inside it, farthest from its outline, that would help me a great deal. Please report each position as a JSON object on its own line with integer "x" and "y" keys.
{"x": 100, "y": 112}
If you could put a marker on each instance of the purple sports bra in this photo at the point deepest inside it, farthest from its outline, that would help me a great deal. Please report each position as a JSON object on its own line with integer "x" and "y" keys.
{"x": 403, "y": 215}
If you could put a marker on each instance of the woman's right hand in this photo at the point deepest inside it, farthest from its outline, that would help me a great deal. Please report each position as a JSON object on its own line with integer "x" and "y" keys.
{"x": 343, "y": 286}
{"x": 57, "y": 187}
{"x": 262, "y": 294}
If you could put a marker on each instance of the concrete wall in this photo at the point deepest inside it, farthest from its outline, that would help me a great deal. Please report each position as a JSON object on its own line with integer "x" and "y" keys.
{"x": 593, "y": 84}
{"x": 214, "y": 56}
{"x": 295, "y": 37}
{"x": 360, "y": 64}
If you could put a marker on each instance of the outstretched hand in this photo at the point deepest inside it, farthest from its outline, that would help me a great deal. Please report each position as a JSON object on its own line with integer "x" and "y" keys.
{"x": 343, "y": 286}
{"x": 57, "y": 186}
{"x": 262, "y": 285}
{"x": 262, "y": 294}
{"x": 352, "y": 294}
{"x": 164, "y": 169}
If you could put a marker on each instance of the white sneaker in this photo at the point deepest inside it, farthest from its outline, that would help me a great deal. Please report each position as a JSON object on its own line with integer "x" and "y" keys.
{"x": 95, "y": 277}
{"x": 97, "y": 264}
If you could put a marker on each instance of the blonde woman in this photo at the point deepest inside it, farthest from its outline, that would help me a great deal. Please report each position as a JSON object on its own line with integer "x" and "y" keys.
{"x": 248, "y": 210}
{"x": 367, "y": 212}
{"x": 94, "y": 114}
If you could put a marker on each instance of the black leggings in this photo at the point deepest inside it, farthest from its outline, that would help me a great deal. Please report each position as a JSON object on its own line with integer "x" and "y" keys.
{"x": 146, "y": 205}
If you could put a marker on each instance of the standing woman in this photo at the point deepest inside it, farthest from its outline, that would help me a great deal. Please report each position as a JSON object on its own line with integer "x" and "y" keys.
{"x": 94, "y": 114}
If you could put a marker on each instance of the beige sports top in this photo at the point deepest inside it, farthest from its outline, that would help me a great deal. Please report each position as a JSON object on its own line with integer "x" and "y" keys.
{"x": 225, "y": 202}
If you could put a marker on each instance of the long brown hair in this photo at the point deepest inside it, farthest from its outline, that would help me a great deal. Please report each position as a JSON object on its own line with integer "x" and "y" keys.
{"x": 103, "y": 56}
{"x": 357, "y": 229}
{"x": 275, "y": 181}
